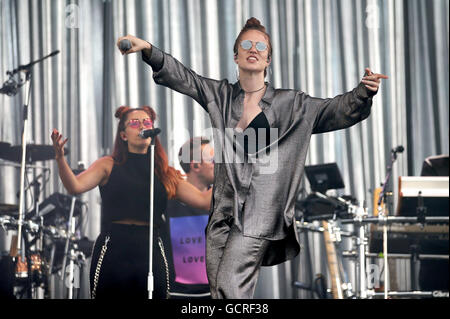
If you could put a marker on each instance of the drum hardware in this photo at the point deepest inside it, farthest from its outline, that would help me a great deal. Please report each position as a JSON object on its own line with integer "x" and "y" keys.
{"x": 8, "y": 223}
{"x": 56, "y": 210}
{"x": 31, "y": 268}
{"x": 13, "y": 210}
{"x": 70, "y": 232}
{"x": 70, "y": 249}
{"x": 311, "y": 227}
{"x": 55, "y": 232}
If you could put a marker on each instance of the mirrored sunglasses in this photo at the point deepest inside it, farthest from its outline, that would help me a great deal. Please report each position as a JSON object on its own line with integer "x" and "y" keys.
{"x": 247, "y": 45}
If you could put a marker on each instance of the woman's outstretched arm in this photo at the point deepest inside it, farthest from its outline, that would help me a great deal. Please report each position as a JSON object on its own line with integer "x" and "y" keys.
{"x": 95, "y": 175}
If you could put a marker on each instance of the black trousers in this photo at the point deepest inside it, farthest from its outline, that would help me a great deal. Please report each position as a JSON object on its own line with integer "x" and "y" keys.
{"x": 123, "y": 270}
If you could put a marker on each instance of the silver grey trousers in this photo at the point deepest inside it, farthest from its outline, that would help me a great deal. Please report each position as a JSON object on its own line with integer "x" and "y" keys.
{"x": 233, "y": 261}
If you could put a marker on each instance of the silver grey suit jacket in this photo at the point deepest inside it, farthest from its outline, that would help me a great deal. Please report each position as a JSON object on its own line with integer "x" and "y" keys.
{"x": 260, "y": 192}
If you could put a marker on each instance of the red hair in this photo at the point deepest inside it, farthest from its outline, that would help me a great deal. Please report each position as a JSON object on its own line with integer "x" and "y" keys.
{"x": 169, "y": 176}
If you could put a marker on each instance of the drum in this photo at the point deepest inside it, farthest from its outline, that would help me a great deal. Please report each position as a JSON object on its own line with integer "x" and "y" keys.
{"x": 37, "y": 264}
{"x": 21, "y": 270}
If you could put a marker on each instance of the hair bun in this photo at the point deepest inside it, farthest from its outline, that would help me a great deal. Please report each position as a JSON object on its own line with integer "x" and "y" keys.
{"x": 253, "y": 22}
{"x": 149, "y": 111}
{"x": 120, "y": 111}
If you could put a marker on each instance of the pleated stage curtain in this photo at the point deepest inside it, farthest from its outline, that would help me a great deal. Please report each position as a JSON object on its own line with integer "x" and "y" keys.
{"x": 319, "y": 46}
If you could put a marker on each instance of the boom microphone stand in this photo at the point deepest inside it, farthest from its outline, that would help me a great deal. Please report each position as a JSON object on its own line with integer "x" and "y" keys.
{"x": 383, "y": 216}
{"x": 10, "y": 88}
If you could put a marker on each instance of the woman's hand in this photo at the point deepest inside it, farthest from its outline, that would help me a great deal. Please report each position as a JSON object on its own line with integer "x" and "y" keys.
{"x": 372, "y": 80}
{"x": 136, "y": 44}
{"x": 58, "y": 146}
{"x": 95, "y": 175}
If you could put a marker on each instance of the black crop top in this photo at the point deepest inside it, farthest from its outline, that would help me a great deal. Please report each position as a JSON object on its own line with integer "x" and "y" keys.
{"x": 126, "y": 195}
{"x": 260, "y": 121}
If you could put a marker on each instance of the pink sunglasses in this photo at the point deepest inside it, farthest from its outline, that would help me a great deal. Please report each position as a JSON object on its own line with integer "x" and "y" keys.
{"x": 135, "y": 123}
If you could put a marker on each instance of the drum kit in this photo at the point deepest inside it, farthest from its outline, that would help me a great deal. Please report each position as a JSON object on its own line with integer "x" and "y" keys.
{"x": 50, "y": 237}
{"x": 45, "y": 237}
{"x": 407, "y": 235}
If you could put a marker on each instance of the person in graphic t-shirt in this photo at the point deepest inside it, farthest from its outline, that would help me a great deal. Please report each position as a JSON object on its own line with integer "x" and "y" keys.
{"x": 185, "y": 240}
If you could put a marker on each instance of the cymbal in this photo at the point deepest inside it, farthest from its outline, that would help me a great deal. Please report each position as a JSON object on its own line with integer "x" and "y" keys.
{"x": 34, "y": 153}
{"x": 7, "y": 208}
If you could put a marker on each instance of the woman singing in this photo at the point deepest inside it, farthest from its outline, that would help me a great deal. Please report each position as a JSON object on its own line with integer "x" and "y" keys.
{"x": 252, "y": 220}
{"x": 120, "y": 260}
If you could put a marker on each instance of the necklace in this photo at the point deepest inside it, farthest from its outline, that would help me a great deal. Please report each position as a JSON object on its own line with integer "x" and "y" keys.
{"x": 255, "y": 90}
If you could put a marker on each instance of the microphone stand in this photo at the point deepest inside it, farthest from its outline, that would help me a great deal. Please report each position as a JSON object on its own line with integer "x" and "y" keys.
{"x": 27, "y": 69}
{"x": 150, "y": 279}
{"x": 24, "y": 149}
{"x": 383, "y": 218}
{"x": 70, "y": 233}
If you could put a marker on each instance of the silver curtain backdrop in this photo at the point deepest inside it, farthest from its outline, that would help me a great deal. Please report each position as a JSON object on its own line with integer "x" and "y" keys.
{"x": 320, "y": 47}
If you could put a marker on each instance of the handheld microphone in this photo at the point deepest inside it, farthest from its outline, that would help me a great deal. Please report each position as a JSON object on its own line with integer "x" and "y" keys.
{"x": 149, "y": 133}
{"x": 54, "y": 53}
{"x": 398, "y": 149}
{"x": 125, "y": 45}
